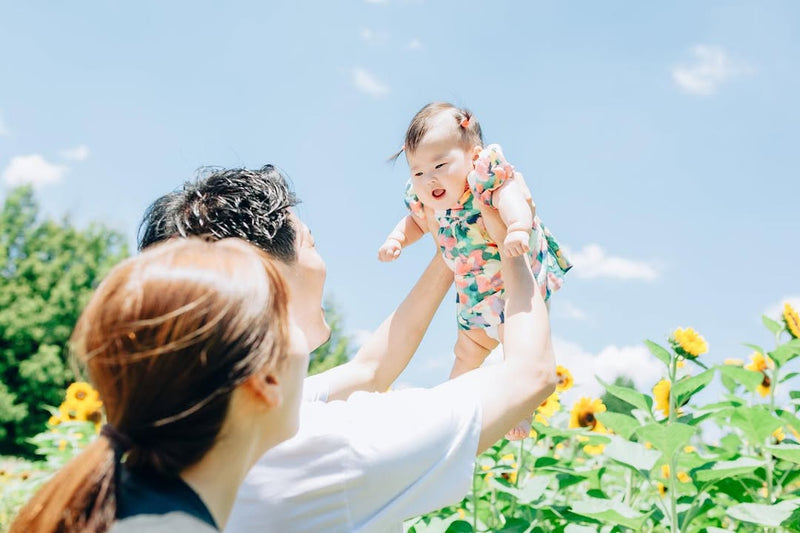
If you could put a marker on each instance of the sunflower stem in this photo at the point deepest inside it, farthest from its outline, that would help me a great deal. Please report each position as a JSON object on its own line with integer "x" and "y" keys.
{"x": 673, "y": 369}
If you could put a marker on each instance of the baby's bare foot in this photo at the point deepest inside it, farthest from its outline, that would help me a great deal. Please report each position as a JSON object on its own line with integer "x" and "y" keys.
{"x": 520, "y": 431}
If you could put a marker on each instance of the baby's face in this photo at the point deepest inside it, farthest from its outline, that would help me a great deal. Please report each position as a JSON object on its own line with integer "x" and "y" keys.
{"x": 439, "y": 168}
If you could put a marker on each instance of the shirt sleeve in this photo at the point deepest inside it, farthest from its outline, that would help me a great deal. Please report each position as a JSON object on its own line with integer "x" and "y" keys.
{"x": 364, "y": 464}
{"x": 316, "y": 388}
{"x": 415, "y": 450}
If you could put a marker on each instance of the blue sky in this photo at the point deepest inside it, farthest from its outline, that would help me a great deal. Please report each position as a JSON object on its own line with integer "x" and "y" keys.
{"x": 660, "y": 141}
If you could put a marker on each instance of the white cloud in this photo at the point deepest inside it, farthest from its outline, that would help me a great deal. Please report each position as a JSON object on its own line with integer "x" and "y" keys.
{"x": 414, "y": 44}
{"x": 372, "y": 36}
{"x": 367, "y": 83}
{"x": 33, "y": 169}
{"x": 592, "y": 262}
{"x": 635, "y": 362}
{"x": 360, "y": 336}
{"x": 3, "y": 128}
{"x": 566, "y": 309}
{"x": 711, "y": 68}
{"x": 79, "y": 153}
{"x": 775, "y": 311}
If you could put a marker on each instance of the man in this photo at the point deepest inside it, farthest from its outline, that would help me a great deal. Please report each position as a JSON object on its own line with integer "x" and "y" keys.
{"x": 362, "y": 460}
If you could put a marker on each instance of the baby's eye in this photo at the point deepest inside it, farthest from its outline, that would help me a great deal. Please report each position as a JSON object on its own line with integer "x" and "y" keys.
{"x": 440, "y": 165}
{"x": 418, "y": 175}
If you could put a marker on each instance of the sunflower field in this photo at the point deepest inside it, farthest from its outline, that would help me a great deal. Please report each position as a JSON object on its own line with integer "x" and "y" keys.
{"x": 585, "y": 468}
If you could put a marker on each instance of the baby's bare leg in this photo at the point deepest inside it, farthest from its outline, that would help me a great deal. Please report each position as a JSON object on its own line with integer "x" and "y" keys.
{"x": 472, "y": 347}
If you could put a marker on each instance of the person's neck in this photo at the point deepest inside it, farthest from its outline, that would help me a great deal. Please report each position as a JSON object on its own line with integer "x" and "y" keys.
{"x": 217, "y": 476}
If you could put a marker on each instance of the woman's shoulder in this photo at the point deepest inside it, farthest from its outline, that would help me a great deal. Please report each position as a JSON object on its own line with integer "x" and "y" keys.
{"x": 175, "y": 522}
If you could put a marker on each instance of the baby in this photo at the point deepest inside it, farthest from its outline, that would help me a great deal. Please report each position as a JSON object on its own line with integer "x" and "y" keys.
{"x": 454, "y": 181}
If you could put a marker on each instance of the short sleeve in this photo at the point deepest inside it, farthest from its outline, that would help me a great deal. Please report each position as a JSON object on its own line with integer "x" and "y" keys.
{"x": 416, "y": 449}
{"x": 364, "y": 464}
{"x": 413, "y": 202}
{"x": 316, "y": 388}
{"x": 490, "y": 172}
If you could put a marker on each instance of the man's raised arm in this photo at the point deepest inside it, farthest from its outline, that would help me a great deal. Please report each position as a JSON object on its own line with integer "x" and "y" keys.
{"x": 511, "y": 391}
{"x": 389, "y": 349}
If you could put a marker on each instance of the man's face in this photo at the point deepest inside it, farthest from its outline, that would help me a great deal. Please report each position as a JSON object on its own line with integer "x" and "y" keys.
{"x": 306, "y": 280}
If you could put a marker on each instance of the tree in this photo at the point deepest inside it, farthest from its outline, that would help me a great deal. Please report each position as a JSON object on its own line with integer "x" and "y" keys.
{"x": 614, "y": 404}
{"x": 47, "y": 272}
{"x": 337, "y": 350}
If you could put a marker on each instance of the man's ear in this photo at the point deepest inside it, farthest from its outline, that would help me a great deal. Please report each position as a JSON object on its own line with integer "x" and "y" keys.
{"x": 264, "y": 389}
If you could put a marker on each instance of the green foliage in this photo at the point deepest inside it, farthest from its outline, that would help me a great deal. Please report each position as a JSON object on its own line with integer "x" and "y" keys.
{"x": 47, "y": 272}
{"x": 337, "y": 350}
{"x": 653, "y": 473}
{"x": 614, "y": 404}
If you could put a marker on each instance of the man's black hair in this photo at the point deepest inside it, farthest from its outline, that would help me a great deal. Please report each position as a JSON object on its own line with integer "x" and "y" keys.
{"x": 249, "y": 204}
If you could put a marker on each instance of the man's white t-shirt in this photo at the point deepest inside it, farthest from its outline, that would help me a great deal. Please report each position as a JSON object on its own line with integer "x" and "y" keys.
{"x": 364, "y": 464}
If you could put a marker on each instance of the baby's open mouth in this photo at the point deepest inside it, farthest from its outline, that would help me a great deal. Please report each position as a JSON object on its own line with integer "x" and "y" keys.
{"x": 438, "y": 193}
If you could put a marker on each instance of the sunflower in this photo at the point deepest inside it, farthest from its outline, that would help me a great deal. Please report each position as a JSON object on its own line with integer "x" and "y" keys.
{"x": 80, "y": 391}
{"x": 584, "y": 413}
{"x": 792, "y": 320}
{"x": 565, "y": 380}
{"x": 550, "y": 406}
{"x": 662, "y": 489}
{"x": 594, "y": 449}
{"x": 759, "y": 363}
{"x": 688, "y": 343}
{"x": 661, "y": 395}
{"x": 541, "y": 420}
{"x": 779, "y": 434}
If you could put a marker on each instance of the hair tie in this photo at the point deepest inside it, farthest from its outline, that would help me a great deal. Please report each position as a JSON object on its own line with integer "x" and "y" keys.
{"x": 119, "y": 441}
{"x": 465, "y": 123}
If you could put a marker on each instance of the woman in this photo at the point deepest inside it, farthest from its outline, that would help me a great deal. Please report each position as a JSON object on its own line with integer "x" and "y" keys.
{"x": 191, "y": 348}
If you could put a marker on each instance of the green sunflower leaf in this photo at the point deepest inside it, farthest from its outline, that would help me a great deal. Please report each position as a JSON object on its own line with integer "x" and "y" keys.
{"x": 773, "y": 326}
{"x": 749, "y": 378}
{"x": 686, "y": 388}
{"x": 787, "y": 452}
{"x": 619, "y": 423}
{"x": 762, "y": 514}
{"x": 667, "y": 438}
{"x": 757, "y": 423}
{"x": 660, "y": 352}
{"x": 728, "y": 469}
{"x": 633, "y": 397}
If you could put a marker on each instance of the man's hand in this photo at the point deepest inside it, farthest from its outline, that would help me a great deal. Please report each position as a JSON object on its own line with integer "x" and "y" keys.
{"x": 390, "y": 250}
{"x": 517, "y": 242}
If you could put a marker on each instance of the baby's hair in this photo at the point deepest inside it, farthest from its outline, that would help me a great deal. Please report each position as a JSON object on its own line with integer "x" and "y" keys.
{"x": 464, "y": 122}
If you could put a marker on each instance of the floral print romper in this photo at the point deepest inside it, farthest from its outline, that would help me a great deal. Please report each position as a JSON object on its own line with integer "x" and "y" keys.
{"x": 475, "y": 258}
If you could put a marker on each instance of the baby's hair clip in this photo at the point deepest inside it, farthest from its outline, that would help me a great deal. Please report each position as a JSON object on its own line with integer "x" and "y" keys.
{"x": 465, "y": 123}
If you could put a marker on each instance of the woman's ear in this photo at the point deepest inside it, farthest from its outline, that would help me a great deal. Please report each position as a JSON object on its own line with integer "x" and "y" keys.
{"x": 264, "y": 389}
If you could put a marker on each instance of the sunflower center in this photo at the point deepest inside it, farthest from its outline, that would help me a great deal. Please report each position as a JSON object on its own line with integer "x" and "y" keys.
{"x": 588, "y": 420}
{"x": 80, "y": 395}
{"x": 766, "y": 382}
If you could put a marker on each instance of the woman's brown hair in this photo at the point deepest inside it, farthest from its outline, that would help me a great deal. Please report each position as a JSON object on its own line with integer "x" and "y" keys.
{"x": 166, "y": 338}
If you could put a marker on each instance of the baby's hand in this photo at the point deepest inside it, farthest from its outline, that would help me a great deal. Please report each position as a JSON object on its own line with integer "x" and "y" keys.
{"x": 390, "y": 250}
{"x": 516, "y": 242}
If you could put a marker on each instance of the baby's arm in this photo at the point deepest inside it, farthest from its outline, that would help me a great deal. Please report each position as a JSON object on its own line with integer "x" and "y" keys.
{"x": 407, "y": 231}
{"x": 517, "y": 214}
